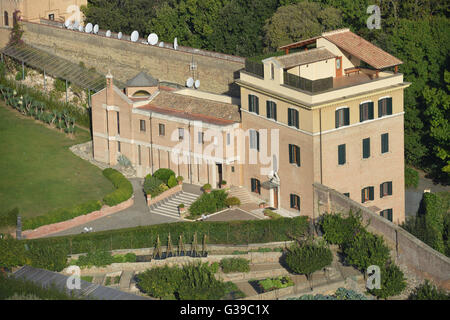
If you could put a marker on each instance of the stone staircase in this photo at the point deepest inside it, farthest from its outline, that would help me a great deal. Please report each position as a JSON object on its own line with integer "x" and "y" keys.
{"x": 243, "y": 195}
{"x": 169, "y": 206}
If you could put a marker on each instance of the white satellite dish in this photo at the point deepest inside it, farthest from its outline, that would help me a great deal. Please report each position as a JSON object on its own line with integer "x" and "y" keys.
{"x": 161, "y": 44}
{"x": 152, "y": 39}
{"x": 119, "y": 35}
{"x": 108, "y": 33}
{"x": 189, "y": 82}
{"x": 175, "y": 43}
{"x": 67, "y": 23}
{"x": 96, "y": 27}
{"x": 134, "y": 36}
{"x": 88, "y": 28}
{"x": 197, "y": 84}
{"x": 80, "y": 28}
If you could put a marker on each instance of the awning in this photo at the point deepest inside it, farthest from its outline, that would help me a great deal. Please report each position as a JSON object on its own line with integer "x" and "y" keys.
{"x": 269, "y": 184}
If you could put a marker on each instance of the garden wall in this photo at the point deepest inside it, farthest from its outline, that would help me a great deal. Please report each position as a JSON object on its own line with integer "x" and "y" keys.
{"x": 420, "y": 258}
{"x": 164, "y": 195}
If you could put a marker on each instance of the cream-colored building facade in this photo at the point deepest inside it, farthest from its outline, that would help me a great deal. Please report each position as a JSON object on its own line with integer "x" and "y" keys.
{"x": 34, "y": 10}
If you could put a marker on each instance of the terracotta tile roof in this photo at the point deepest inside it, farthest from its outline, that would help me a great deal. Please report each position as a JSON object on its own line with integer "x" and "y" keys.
{"x": 193, "y": 108}
{"x": 362, "y": 49}
{"x": 305, "y": 57}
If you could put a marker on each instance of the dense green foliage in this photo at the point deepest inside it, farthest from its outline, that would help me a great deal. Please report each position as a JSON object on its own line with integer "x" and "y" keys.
{"x": 411, "y": 178}
{"x": 235, "y": 265}
{"x": 12, "y": 253}
{"x": 233, "y": 232}
{"x": 153, "y": 186}
{"x": 208, "y": 203}
{"x": 191, "y": 282}
{"x": 50, "y": 258}
{"x": 428, "y": 291}
{"x": 340, "y": 294}
{"x": 124, "y": 188}
{"x": 101, "y": 259}
{"x": 306, "y": 258}
{"x": 339, "y": 230}
{"x": 271, "y": 214}
{"x": 232, "y": 201}
{"x": 164, "y": 174}
{"x": 393, "y": 282}
{"x": 270, "y": 284}
{"x": 9, "y": 218}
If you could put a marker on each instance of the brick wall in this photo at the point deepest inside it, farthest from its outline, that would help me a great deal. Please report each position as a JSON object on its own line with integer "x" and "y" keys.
{"x": 423, "y": 260}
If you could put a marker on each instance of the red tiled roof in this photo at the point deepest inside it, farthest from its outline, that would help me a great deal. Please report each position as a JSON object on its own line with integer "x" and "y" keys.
{"x": 362, "y": 49}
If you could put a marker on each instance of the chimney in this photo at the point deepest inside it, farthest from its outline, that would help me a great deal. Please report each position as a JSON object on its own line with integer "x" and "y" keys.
{"x": 109, "y": 89}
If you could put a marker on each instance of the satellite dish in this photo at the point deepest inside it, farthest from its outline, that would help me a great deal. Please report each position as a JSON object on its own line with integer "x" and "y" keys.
{"x": 80, "y": 28}
{"x": 175, "y": 43}
{"x": 96, "y": 27}
{"x": 67, "y": 23}
{"x": 134, "y": 36}
{"x": 108, "y": 33}
{"x": 152, "y": 39}
{"x": 119, "y": 35}
{"x": 189, "y": 82}
{"x": 161, "y": 44}
{"x": 197, "y": 84}
{"x": 88, "y": 28}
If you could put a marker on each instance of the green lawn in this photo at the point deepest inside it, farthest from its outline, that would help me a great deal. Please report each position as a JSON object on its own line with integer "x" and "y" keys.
{"x": 38, "y": 172}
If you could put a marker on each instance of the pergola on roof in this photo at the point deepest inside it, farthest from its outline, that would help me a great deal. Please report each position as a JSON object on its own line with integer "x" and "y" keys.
{"x": 58, "y": 67}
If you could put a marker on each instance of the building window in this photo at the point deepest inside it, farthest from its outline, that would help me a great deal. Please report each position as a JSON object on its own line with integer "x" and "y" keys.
{"x": 118, "y": 146}
{"x": 366, "y": 111}
{"x": 232, "y": 168}
{"x": 272, "y": 71}
{"x": 367, "y": 194}
{"x": 386, "y": 189}
{"x": 341, "y": 154}
{"x": 118, "y": 122}
{"x": 293, "y": 118}
{"x": 162, "y": 129}
{"x": 6, "y": 18}
{"x": 254, "y": 139}
{"x": 384, "y": 142}
{"x": 271, "y": 109}
{"x": 256, "y": 185}
{"x": 294, "y": 154}
{"x": 347, "y": 194}
{"x": 253, "y": 103}
{"x": 51, "y": 17}
{"x": 180, "y": 134}
{"x": 228, "y": 139}
{"x": 342, "y": 117}
{"x": 384, "y": 107}
{"x": 295, "y": 202}
{"x": 142, "y": 125}
{"x": 366, "y": 148}
{"x": 387, "y": 214}
{"x": 201, "y": 138}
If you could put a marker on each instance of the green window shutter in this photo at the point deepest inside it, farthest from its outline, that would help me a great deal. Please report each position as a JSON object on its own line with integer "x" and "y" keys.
{"x": 370, "y": 110}
{"x": 341, "y": 154}
{"x": 389, "y": 105}
{"x": 291, "y": 196}
{"x": 250, "y": 104}
{"x": 256, "y": 103}
{"x": 389, "y": 215}
{"x": 389, "y": 185}
{"x": 289, "y": 117}
{"x": 257, "y": 140}
{"x": 268, "y": 109}
{"x": 371, "y": 195}
{"x": 380, "y": 108}
{"x": 366, "y": 148}
{"x": 336, "y": 117}
{"x": 381, "y": 190}
{"x": 297, "y": 123}
{"x": 361, "y": 113}
{"x": 290, "y": 154}
{"x": 384, "y": 142}
{"x": 297, "y": 154}
{"x": 346, "y": 116}
{"x": 274, "y": 111}
{"x": 362, "y": 195}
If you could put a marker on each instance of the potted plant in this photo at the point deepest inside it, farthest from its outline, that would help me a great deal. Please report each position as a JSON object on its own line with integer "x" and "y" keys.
{"x": 207, "y": 188}
{"x": 181, "y": 209}
{"x": 180, "y": 179}
{"x": 262, "y": 205}
{"x": 223, "y": 184}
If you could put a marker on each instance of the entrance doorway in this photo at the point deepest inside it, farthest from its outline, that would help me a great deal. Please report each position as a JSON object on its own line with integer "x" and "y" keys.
{"x": 219, "y": 170}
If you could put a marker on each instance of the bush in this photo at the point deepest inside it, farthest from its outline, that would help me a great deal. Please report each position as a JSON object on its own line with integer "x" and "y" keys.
{"x": 275, "y": 283}
{"x": 271, "y": 214}
{"x": 428, "y": 291}
{"x": 60, "y": 85}
{"x": 164, "y": 174}
{"x": 411, "y": 178}
{"x": 340, "y": 230}
{"x": 206, "y": 186}
{"x": 172, "y": 182}
{"x": 392, "y": 282}
{"x": 235, "y": 265}
{"x": 120, "y": 258}
{"x": 52, "y": 258}
{"x": 12, "y": 253}
{"x": 124, "y": 188}
{"x": 208, "y": 203}
{"x": 232, "y": 201}
{"x": 180, "y": 179}
{"x": 152, "y": 186}
{"x": 20, "y": 76}
{"x": 9, "y": 218}
{"x": 366, "y": 249}
{"x": 95, "y": 258}
{"x": 306, "y": 258}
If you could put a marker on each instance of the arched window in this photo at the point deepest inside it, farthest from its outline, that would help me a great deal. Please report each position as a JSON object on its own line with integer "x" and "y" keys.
{"x": 6, "y": 18}
{"x": 141, "y": 93}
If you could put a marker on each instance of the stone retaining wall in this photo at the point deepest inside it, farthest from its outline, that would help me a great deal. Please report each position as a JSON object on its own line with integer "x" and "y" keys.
{"x": 164, "y": 195}
{"x": 64, "y": 225}
{"x": 420, "y": 258}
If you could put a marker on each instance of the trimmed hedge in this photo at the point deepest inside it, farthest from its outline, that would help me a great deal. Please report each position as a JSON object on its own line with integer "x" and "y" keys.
{"x": 339, "y": 230}
{"x": 235, "y": 265}
{"x": 208, "y": 203}
{"x": 164, "y": 174}
{"x": 124, "y": 188}
{"x": 232, "y": 232}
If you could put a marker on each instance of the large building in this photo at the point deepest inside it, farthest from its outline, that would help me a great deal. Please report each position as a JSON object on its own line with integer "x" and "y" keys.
{"x": 330, "y": 112}
{"x": 34, "y": 10}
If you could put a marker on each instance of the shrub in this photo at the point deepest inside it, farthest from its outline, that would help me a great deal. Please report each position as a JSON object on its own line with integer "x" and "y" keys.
{"x": 432, "y": 208}
{"x": 392, "y": 282}
{"x": 120, "y": 258}
{"x": 9, "y": 218}
{"x": 235, "y": 265}
{"x": 214, "y": 267}
{"x": 95, "y": 258}
{"x": 181, "y": 205}
{"x": 306, "y": 258}
{"x": 232, "y": 201}
{"x": 275, "y": 283}
{"x": 271, "y": 214}
{"x": 180, "y": 179}
{"x": 124, "y": 188}
{"x": 60, "y": 85}
{"x": 164, "y": 174}
{"x": 340, "y": 230}
{"x": 52, "y": 258}
{"x": 411, "y": 178}
{"x": 21, "y": 75}
{"x": 207, "y": 186}
{"x": 208, "y": 203}
{"x": 428, "y": 291}
{"x": 223, "y": 183}
{"x": 172, "y": 182}
{"x": 366, "y": 249}
{"x": 152, "y": 186}
{"x": 12, "y": 253}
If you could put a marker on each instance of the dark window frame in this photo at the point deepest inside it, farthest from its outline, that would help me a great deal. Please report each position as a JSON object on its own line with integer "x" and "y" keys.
{"x": 386, "y": 189}
{"x": 253, "y": 103}
{"x": 255, "y": 185}
{"x": 342, "y": 157}
{"x": 387, "y": 214}
{"x": 294, "y": 201}
{"x": 384, "y": 142}
{"x": 294, "y": 155}
{"x": 293, "y": 118}
{"x": 366, "y": 111}
{"x": 342, "y": 117}
{"x": 271, "y": 110}
{"x": 254, "y": 144}
{"x": 142, "y": 125}
{"x": 384, "y": 107}
{"x": 366, "y": 148}
{"x": 161, "y": 129}
{"x": 180, "y": 134}
{"x": 367, "y": 194}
